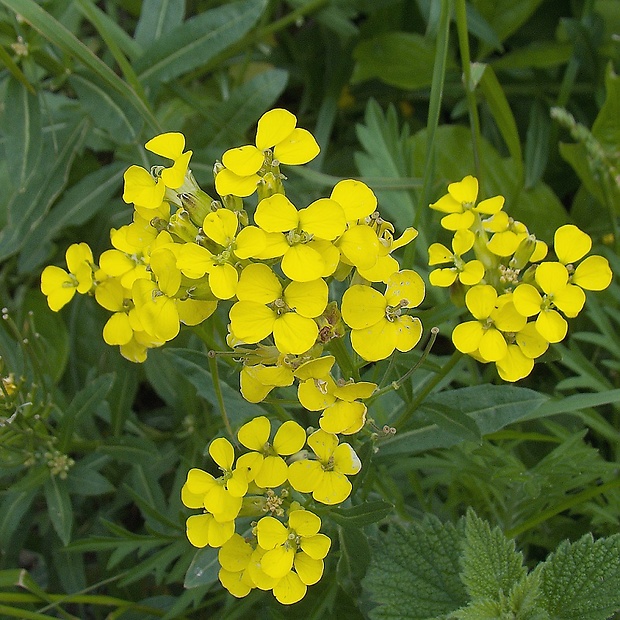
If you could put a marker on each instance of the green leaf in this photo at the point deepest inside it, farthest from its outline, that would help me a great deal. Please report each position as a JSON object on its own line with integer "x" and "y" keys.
{"x": 78, "y": 205}
{"x": 84, "y": 401}
{"x": 59, "y": 35}
{"x": 197, "y": 41}
{"x": 203, "y": 570}
{"x": 364, "y": 514}
{"x": 15, "y": 504}
{"x": 194, "y": 366}
{"x": 414, "y": 571}
{"x": 581, "y": 580}
{"x": 453, "y": 421}
{"x": 227, "y": 122}
{"x": 130, "y": 449}
{"x": 491, "y": 407}
{"x": 26, "y": 209}
{"x": 52, "y": 343}
{"x": 574, "y": 402}
{"x": 539, "y": 55}
{"x": 59, "y": 507}
{"x": 107, "y": 108}
{"x": 537, "y": 143}
{"x": 354, "y": 559}
{"x": 157, "y": 17}
{"x": 22, "y": 133}
{"x": 83, "y": 479}
{"x": 490, "y": 563}
{"x": 505, "y": 120}
{"x": 401, "y": 59}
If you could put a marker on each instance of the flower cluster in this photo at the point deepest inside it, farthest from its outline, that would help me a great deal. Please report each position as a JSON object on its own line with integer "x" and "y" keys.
{"x": 517, "y": 301}
{"x": 284, "y": 550}
{"x": 302, "y": 285}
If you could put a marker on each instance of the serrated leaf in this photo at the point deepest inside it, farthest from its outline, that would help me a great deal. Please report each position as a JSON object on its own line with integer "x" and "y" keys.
{"x": 157, "y": 17}
{"x": 83, "y": 402}
{"x": 203, "y": 570}
{"x": 22, "y": 133}
{"x": 414, "y": 571}
{"x": 364, "y": 514}
{"x": 490, "y": 563}
{"x": 581, "y": 580}
{"x": 59, "y": 507}
{"x": 491, "y": 407}
{"x": 197, "y": 41}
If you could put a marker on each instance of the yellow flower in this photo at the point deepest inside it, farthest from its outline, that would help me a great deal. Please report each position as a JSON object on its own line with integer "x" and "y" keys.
{"x": 256, "y": 381}
{"x": 59, "y": 286}
{"x": 325, "y": 477}
{"x": 571, "y": 245}
{"x": 171, "y": 145}
{"x": 493, "y": 317}
{"x": 468, "y": 273}
{"x": 301, "y": 248}
{"x": 142, "y": 188}
{"x": 552, "y": 278}
{"x": 234, "y": 558}
{"x": 278, "y": 141}
{"x": 507, "y": 234}
{"x": 377, "y": 323}
{"x": 263, "y": 308}
{"x": 271, "y": 469}
{"x": 460, "y": 204}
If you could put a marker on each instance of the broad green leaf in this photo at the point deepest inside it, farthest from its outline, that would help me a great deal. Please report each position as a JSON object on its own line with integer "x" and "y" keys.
{"x": 354, "y": 559}
{"x": 537, "y": 143}
{"x": 227, "y": 122}
{"x": 539, "y": 55}
{"x": 77, "y": 205}
{"x": 401, "y": 59}
{"x": 84, "y": 479}
{"x": 503, "y": 116}
{"x": 538, "y": 208}
{"x": 84, "y": 402}
{"x": 22, "y": 133}
{"x": 52, "y": 350}
{"x": 157, "y": 17}
{"x": 130, "y": 449}
{"x": 453, "y": 421}
{"x": 581, "y": 580}
{"x": 364, "y": 514}
{"x": 59, "y": 35}
{"x": 197, "y": 40}
{"x": 59, "y": 507}
{"x": 204, "y": 568}
{"x": 26, "y": 209}
{"x": 491, "y": 565}
{"x": 195, "y": 367}
{"x": 414, "y": 571}
{"x": 573, "y": 403}
{"x": 491, "y": 407}
{"x": 15, "y": 504}
{"x": 107, "y": 108}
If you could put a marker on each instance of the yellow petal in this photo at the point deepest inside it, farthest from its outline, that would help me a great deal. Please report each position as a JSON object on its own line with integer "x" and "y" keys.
{"x": 467, "y": 336}
{"x": 289, "y": 438}
{"x": 324, "y": 219}
{"x": 593, "y": 274}
{"x": 258, "y": 283}
{"x": 223, "y": 281}
{"x": 457, "y": 221}
{"x": 276, "y": 214}
{"x": 244, "y": 160}
{"x": 333, "y": 488}
{"x": 58, "y": 286}
{"x": 376, "y": 342}
{"x": 571, "y": 244}
{"x": 527, "y": 300}
{"x": 222, "y": 453}
{"x": 551, "y": 277}
{"x": 465, "y": 191}
{"x": 406, "y": 288}
{"x": 302, "y": 263}
{"x": 299, "y": 147}
{"x": 169, "y": 145}
{"x": 570, "y": 300}
{"x": 278, "y": 561}
{"x": 251, "y": 322}
{"x": 472, "y": 273}
{"x": 492, "y": 345}
{"x": 362, "y": 306}
{"x": 308, "y": 569}
{"x": 355, "y": 197}
{"x": 255, "y": 433}
{"x": 221, "y": 226}
{"x": 409, "y": 332}
{"x": 304, "y": 475}
{"x": 142, "y": 189}
{"x": 360, "y": 245}
{"x": 308, "y": 299}
{"x": 315, "y": 368}
{"x": 531, "y": 343}
{"x": 235, "y": 555}
{"x": 514, "y": 365}
{"x": 551, "y": 326}
{"x": 229, "y": 183}
{"x": 273, "y": 127}
{"x": 290, "y": 589}
{"x": 250, "y": 242}
{"x": 443, "y": 277}
{"x": 480, "y": 300}
{"x": 343, "y": 417}
{"x": 315, "y": 394}
{"x": 490, "y": 206}
{"x": 272, "y": 473}
{"x": 117, "y": 329}
{"x": 294, "y": 334}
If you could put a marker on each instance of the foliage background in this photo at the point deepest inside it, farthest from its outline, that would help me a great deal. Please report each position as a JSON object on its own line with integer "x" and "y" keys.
{"x": 387, "y": 89}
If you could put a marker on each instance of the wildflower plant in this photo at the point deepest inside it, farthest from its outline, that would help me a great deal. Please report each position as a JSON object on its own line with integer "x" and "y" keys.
{"x": 314, "y": 297}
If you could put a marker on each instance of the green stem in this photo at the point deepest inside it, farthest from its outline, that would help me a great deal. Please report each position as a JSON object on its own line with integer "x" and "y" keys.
{"x": 219, "y": 395}
{"x": 472, "y": 104}
{"x": 573, "y": 501}
{"x": 336, "y": 346}
{"x": 412, "y": 407}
